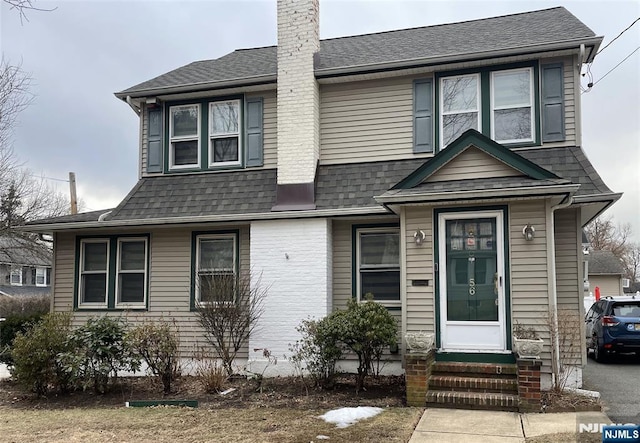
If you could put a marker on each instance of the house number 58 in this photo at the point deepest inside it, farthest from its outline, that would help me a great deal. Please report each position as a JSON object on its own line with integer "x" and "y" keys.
{"x": 472, "y": 286}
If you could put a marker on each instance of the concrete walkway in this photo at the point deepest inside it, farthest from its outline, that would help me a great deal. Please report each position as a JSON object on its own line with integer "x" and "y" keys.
{"x": 461, "y": 426}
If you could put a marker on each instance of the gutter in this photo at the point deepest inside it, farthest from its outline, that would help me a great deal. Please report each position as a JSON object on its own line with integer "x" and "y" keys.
{"x": 502, "y": 192}
{"x": 226, "y": 218}
{"x": 592, "y": 42}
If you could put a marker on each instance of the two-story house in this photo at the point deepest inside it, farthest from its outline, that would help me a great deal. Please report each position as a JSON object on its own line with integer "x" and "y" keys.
{"x": 439, "y": 168}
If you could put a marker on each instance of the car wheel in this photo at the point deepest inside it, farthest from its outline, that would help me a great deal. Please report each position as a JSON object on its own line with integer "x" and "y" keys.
{"x": 598, "y": 351}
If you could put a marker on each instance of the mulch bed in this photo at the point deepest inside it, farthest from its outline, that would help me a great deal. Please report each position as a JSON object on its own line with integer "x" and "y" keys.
{"x": 568, "y": 402}
{"x": 285, "y": 392}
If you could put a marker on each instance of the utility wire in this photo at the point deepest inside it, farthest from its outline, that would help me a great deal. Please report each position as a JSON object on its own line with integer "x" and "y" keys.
{"x": 612, "y": 69}
{"x": 628, "y": 27}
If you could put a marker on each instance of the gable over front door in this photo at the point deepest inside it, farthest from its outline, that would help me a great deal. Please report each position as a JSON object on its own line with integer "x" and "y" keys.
{"x": 471, "y": 281}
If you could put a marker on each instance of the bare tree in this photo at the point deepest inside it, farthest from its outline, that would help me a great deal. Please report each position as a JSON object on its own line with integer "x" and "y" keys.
{"x": 229, "y": 308}
{"x": 23, "y": 196}
{"x": 632, "y": 262}
{"x": 23, "y": 6}
{"x": 605, "y": 235}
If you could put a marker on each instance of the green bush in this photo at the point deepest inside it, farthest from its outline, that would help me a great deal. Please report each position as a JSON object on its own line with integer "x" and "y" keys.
{"x": 35, "y": 354}
{"x": 8, "y": 331}
{"x": 157, "y": 344}
{"x": 317, "y": 351}
{"x": 97, "y": 351}
{"x": 366, "y": 328}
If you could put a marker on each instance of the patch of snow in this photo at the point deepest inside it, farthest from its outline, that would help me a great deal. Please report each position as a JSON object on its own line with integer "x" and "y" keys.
{"x": 344, "y": 417}
{"x": 4, "y": 371}
{"x": 323, "y": 437}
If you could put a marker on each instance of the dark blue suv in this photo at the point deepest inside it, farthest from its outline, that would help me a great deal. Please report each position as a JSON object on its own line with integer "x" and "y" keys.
{"x": 613, "y": 325}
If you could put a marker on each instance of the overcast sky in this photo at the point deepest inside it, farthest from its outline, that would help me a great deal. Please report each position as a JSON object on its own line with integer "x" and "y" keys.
{"x": 84, "y": 51}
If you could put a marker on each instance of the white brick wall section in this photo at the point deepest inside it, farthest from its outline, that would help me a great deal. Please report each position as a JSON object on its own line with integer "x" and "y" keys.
{"x": 293, "y": 259}
{"x": 298, "y": 101}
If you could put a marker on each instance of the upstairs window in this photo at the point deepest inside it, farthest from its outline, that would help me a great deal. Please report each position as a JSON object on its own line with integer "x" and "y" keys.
{"x": 224, "y": 133}
{"x": 511, "y": 106}
{"x": 378, "y": 261}
{"x": 460, "y": 105}
{"x": 499, "y": 103}
{"x": 184, "y": 135}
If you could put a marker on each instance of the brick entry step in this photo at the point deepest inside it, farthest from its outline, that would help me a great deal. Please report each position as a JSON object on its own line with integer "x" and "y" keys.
{"x": 490, "y": 386}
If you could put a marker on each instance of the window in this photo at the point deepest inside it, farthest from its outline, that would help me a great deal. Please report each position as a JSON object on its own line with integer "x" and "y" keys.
{"x": 499, "y": 103}
{"x": 216, "y": 267}
{"x": 16, "y": 276}
{"x": 132, "y": 271}
{"x": 43, "y": 276}
{"x": 184, "y": 135}
{"x": 113, "y": 272}
{"x": 94, "y": 269}
{"x": 511, "y": 105}
{"x": 224, "y": 133}
{"x": 460, "y": 105}
{"x": 378, "y": 264}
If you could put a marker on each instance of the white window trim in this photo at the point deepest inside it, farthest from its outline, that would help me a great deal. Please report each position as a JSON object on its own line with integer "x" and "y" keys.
{"x": 173, "y": 139}
{"x": 15, "y": 270}
{"x": 530, "y": 105}
{"x": 81, "y": 272}
{"x": 359, "y": 231}
{"x": 196, "y": 271}
{"x": 442, "y": 113}
{"x": 143, "y": 303}
{"x": 43, "y": 272}
{"x": 212, "y": 136}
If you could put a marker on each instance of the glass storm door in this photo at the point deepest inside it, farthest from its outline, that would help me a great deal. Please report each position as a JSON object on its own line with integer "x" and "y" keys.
{"x": 471, "y": 275}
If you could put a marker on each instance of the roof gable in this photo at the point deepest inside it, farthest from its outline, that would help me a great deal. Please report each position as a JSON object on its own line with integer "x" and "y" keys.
{"x": 473, "y": 163}
{"x": 458, "y": 151}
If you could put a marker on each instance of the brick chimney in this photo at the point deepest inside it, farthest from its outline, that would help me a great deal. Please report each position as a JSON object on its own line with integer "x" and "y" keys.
{"x": 298, "y": 104}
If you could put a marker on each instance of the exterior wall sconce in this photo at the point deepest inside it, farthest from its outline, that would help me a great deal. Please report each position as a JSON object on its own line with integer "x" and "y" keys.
{"x": 529, "y": 232}
{"x": 419, "y": 237}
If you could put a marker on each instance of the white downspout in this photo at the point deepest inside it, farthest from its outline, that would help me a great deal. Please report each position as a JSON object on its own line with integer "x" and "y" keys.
{"x": 553, "y": 283}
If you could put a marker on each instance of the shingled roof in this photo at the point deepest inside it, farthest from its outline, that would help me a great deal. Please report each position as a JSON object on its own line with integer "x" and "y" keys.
{"x": 343, "y": 186}
{"x": 604, "y": 263}
{"x": 416, "y": 45}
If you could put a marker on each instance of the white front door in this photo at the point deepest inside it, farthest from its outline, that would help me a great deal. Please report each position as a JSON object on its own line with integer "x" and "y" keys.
{"x": 471, "y": 281}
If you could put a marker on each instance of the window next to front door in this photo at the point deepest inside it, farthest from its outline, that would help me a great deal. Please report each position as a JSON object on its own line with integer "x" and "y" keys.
{"x": 378, "y": 264}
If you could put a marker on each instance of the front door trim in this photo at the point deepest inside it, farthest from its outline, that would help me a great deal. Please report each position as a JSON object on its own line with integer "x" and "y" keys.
{"x": 507, "y": 284}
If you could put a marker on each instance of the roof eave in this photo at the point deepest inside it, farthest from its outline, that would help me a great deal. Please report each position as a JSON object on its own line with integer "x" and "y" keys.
{"x": 195, "y": 87}
{"x": 593, "y": 42}
{"x": 425, "y": 197}
{"x": 56, "y": 227}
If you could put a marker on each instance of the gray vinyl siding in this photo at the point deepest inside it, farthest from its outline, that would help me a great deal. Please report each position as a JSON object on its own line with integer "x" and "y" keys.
{"x": 529, "y": 271}
{"x": 420, "y": 301}
{"x": 373, "y": 120}
{"x": 343, "y": 271}
{"x": 169, "y": 284}
{"x": 568, "y": 250}
{"x": 269, "y": 132}
{"x": 473, "y": 163}
{"x": 369, "y": 120}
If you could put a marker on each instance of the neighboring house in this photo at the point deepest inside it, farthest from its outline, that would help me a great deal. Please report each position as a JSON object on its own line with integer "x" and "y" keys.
{"x": 605, "y": 272}
{"x": 25, "y": 268}
{"x": 439, "y": 168}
